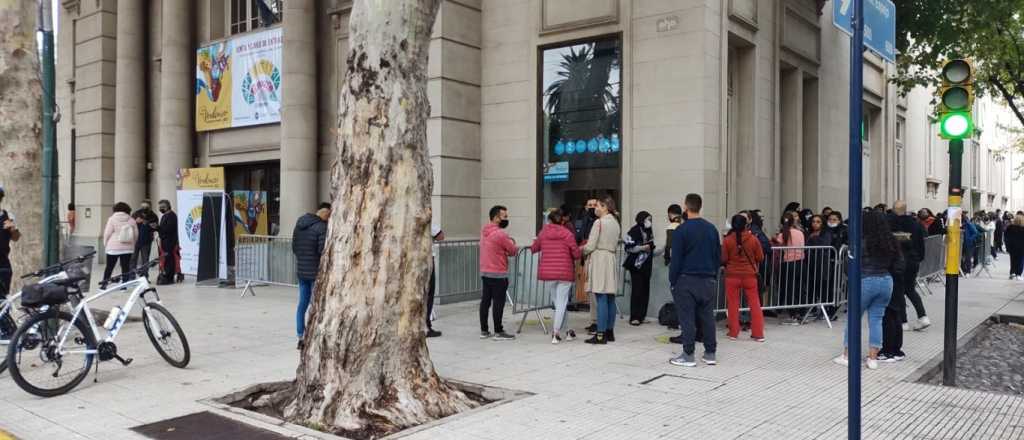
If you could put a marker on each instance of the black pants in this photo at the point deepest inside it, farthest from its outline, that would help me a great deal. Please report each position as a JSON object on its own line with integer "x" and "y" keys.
{"x": 892, "y": 323}
{"x": 5, "y": 278}
{"x": 430, "y": 298}
{"x": 1016, "y": 262}
{"x": 640, "y": 295}
{"x": 910, "y": 291}
{"x": 124, "y": 261}
{"x": 695, "y": 302}
{"x": 141, "y": 255}
{"x": 493, "y": 292}
{"x": 170, "y": 268}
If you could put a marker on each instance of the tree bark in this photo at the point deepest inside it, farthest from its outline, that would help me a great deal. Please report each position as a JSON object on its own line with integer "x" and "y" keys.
{"x": 21, "y": 129}
{"x": 365, "y": 369}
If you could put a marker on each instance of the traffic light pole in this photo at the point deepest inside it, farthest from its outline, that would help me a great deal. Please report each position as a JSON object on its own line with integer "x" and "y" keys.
{"x": 956, "y": 152}
{"x": 49, "y": 226}
{"x": 856, "y": 186}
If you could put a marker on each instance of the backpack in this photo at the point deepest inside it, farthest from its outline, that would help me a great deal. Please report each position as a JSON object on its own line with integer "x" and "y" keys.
{"x": 667, "y": 316}
{"x": 126, "y": 234}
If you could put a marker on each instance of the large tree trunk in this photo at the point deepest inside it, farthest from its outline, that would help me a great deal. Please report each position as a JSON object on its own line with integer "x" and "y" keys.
{"x": 21, "y": 129}
{"x": 365, "y": 370}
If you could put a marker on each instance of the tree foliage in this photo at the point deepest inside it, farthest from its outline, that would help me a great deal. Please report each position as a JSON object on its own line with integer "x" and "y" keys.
{"x": 988, "y": 32}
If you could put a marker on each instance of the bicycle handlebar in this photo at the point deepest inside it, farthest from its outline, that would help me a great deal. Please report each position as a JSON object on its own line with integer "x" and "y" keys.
{"x": 50, "y": 270}
{"x": 140, "y": 271}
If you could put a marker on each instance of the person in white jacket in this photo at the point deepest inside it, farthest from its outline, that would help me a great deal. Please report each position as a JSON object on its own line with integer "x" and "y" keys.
{"x": 119, "y": 238}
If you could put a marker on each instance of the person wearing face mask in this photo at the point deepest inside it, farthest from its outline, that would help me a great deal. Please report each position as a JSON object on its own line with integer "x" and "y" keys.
{"x": 805, "y": 220}
{"x": 639, "y": 262}
{"x": 168, "y": 231}
{"x": 742, "y": 257}
{"x": 8, "y": 232}
{"x": 837, "y": 229}
{"x": 583, "y": 226}
{"x": 602, "y": 269}
{"x": 675, "y": 218}
{"x": 309, "y": 238}
{"x": 586, "y": 221}
{"x": 495, "y": 248}
{"x": 148, "y": 223}
{"x": 558, "y": 253}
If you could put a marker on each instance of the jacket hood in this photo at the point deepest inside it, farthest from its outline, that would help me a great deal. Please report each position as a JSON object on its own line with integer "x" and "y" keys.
{"x": 120, "y": 216}
{"x": 553, "y": 229}
{"x": 307, "y": 220}
{"x": 489, "y": 230}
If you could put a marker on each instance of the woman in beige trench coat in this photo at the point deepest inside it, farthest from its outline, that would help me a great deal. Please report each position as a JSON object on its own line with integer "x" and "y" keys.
{"x": 603, "y": 269}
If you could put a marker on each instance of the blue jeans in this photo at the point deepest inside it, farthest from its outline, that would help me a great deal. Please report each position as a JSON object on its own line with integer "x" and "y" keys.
{"x": 605, "y": 312}
{"x": 875, "y": 292}
{"x": 305, "y": 293}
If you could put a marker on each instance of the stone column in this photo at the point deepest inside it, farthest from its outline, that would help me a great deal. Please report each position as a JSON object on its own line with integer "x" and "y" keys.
{"x": 177, "y": 74}
{"x": 130, "y": 104}
{"x": 298, "y": 113}
{"x": 792, "y": 82}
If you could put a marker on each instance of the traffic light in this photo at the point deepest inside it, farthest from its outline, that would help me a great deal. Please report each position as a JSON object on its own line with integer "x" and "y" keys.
{"x": 956, "y": 100}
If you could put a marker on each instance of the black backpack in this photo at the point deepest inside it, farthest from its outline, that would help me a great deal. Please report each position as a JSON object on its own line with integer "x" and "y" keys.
{"x": 668, "y": 317}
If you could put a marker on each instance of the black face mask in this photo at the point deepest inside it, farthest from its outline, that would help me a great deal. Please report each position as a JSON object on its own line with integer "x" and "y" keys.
{"x": 503, "y": 224}
{"x": 592, "y": 212}
{"x": 163, "y": 210}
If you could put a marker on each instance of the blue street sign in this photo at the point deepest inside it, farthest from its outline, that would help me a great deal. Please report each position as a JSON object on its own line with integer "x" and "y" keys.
{"x": 879, "y": 24}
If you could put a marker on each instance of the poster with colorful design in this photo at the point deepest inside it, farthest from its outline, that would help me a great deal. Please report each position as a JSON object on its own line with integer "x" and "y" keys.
{"x": 250, "y": 211}
{"x": 193, "y": 184}
{"x": 238, "y": 81}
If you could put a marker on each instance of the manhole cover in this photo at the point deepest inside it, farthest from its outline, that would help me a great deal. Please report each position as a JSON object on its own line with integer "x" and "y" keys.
{"x": 204, "y": 426}
{"x": 678, "y": 384}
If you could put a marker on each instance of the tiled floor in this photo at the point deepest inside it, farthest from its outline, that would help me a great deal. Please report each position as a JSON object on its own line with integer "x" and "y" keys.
{"x": 786, "y": 388}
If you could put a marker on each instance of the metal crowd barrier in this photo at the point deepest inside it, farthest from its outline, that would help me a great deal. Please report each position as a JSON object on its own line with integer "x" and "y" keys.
{"x": 933, "y": 266}
{"x": 458, "y": 271}
{"x": 528, "y": 294}
{"x": 982, "y": 255}
{"x": 263, "y": 260}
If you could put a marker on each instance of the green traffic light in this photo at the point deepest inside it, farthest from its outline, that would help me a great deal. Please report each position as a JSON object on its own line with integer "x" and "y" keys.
{"x": 956, "y": 125}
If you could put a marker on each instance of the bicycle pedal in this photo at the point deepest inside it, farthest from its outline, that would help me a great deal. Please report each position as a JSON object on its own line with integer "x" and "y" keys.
{"x": 123, "y": 361}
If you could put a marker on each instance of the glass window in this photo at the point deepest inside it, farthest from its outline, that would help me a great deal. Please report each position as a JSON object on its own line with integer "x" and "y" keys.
{"x": 247, "y": 15}
{"x": 580, "y": 124}
{"x": 900, "y": 123}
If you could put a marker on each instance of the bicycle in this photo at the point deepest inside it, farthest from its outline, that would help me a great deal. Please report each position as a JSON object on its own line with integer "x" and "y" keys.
{"x": 9, "y": 322}
{"x": 49, "y": 341}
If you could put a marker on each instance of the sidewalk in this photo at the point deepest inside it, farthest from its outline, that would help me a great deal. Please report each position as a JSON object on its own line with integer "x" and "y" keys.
{"x": 786, "y": 388}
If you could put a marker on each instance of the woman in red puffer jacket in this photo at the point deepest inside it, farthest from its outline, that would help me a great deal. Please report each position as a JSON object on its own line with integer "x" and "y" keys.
{"x": 558, "y": 250}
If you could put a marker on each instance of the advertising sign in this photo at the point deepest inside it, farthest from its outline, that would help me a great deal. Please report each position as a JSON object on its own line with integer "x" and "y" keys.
{"x": 250, "y": 212}
{"x": 556, "y": 172}
{"x": 201, "y": 178}
{"x": 193, "y": 184}
{"x": 238, "y": 81}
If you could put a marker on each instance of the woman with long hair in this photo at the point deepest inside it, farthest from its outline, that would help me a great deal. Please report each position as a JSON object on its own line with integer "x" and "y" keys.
{"x": 602, "y": 269}
{"x": 881, "y": 257}
{"x": 742, "y": 256}
{"x": 639, "y": 262}
{"x": 820, "y": 261}
{"x": 1015, "y": 246}
{"x": 556, "y": 269}
{"x": 119, "y": 238}
{"x": 791, "y": 278}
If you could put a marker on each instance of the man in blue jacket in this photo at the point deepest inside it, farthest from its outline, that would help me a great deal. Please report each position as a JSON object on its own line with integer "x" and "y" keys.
{"x": 308, "y": 242}
{"x": 693, "y": 273}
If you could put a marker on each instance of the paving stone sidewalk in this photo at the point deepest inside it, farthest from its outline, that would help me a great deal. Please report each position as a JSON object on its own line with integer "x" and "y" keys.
{"x": 787, "y": 388}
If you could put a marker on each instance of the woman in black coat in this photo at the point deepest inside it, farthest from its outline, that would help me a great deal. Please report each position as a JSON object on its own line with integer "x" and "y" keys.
{"x": 639, "y": 262}
{"x": 1014, "y": 239}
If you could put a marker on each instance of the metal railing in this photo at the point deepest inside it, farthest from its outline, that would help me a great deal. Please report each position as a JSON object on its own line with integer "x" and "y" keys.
{"x": 263, "y": 260}
{"x": 458, "y": 271}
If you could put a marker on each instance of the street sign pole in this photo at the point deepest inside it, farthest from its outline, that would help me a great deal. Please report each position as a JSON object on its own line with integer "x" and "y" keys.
{"x": 956, "y": 152}
{"x": 856, "y": 171}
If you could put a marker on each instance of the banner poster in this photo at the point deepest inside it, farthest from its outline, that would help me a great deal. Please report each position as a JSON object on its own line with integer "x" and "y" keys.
{"x": 250, "y": 213}
{"x": 238, "y": 81}
{"x": 193, "y": 184}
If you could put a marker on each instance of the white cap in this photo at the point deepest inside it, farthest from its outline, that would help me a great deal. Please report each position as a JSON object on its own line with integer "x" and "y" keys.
{"x": 435, "y": 230}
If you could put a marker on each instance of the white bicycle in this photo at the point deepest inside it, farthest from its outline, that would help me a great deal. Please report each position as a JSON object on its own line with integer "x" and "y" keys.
{"x": 52, "y": 352}
{"x": 10, "y": 318}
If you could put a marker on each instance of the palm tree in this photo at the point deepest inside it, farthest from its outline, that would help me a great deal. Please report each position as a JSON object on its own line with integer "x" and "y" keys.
{"x": 581, "y": 102}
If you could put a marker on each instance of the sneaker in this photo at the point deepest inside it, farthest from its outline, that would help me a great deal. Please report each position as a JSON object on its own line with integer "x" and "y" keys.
{"x": 731, "y": 337}
{"x": 922, "y": 323}
{"x": 431, "y": 333}
{"x": 882, "y": 357}
{"x": 709, "y": 358}
{"x": 1011, "y": 278}
{"x": 592, "y": 329}
{"x": 570, "y": 335}
{"x": 758, "y": 339}
{"x": 485, "y": 335}
{"x": 684, "y": 360}
{"x": 597, "y": 339}
{"x": 301, "y": 345}
{"x": 502, "y": 336}
{"x": 609, "y": 335}
{"x": 872, "y": 364}
{"x": 841, "y": 360}
{"x": 634, "y": 323}
{"x": 676, "y": 339}
{"x": 555, "y": 339}
{"x": 906, "y": 327}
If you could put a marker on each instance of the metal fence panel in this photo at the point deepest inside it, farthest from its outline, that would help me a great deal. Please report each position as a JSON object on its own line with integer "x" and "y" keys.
{"x": 458, "y": 271}
{"x": 263, "y": 259}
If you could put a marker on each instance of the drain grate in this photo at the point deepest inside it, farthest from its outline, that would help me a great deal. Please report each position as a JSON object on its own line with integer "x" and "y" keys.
{"x": 204, "y": 426}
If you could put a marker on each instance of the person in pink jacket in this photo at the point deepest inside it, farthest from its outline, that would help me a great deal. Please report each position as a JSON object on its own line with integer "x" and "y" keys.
{"x": 558, "y": 251}
{"x": 119, "y": 238}
{"x": 495, "y": 248}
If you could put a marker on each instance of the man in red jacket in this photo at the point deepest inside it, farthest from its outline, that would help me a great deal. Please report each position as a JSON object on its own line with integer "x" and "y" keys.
{"x": 495, "y": 248}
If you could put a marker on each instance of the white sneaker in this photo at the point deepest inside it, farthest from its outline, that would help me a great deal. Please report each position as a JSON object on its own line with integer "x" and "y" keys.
{"x": 841, "y": 360}
{"x": 906, "y": 327}
{"x": 872, "y": 364}
{"x": 922, "y": 323}
{"x": 555, "y": 340}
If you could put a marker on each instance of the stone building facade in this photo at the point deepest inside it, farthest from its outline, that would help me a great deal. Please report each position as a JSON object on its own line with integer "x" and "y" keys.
{"x": 535, "y": 104}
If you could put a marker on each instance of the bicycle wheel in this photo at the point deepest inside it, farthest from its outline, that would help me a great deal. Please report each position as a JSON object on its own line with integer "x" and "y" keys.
{"x": 36, "y": 363}
{"x": 8, "y": 327}
{"x": 167, "y": 337}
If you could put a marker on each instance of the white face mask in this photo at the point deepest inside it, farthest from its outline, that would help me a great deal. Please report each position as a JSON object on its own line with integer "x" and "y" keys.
{"x": 832, "y": 225}
{"x": 648, "y": 223}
